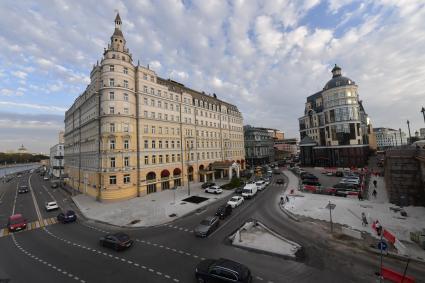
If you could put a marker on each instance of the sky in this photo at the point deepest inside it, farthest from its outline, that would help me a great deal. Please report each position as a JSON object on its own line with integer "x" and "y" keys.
{"x": 265, "y": 57}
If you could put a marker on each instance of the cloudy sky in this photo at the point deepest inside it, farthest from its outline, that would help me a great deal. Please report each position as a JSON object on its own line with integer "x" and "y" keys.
{"x": 263, "y": 56}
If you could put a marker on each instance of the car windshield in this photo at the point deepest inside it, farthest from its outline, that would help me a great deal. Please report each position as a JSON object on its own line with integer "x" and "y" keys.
{"x": 17, "y": 220}
{"x": 246, "y": 190}
{"x": 234, "y": 199}
{"x": 205, "y": 222}
{"x": 122, "y": 237}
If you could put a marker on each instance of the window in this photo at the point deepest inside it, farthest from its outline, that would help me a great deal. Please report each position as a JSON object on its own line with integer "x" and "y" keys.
{"x": 111, "y": 95}
{"x": 125, "y": 96}
{"x": 173, "y": 158}
{"x": 126, "y": 161}
{"x": 166, "y": 144}
{"x": 112, "y": 180}
{"x": 153, "y": 159}
{"x": 126, "y": 128}
{"x": 159, "y": 92}
{"x": 152, "y": 90}
{"x": 159, "y": 130}
{"x": 171, "y": 107}
{"x": 111, "y": 110}
{"x": 153, "y": 143}
{"x": 126, "y": 179}
{"x": 125, "y": 70}
{"x": 111, "y": 68}
{"x": 145, "y": 89}
{"x": 153, "y": 129}
{"x": 126, "y": 110}
{"x": 146, "y": 160}
{"x": 152, "y": 79}
{"x": 159, "y": 104}
{"x": 167, "y": 158}
{"x": 152, "y": 115}
{"x": 111, "y": 82}
{"x": 160, "y": 159}
{"x": 145, "y": 114}
{"x": 172, "y": 144}
{"x": 159, "y": 116}
{"x": 165, "y": 116}
{"x": 145, "y": 76}
{"x": 112, "y": 127}
{"x": 112, "y": 162}
{"x": 111, "y": 144}
{"x": 166, "y": 105}
{"x": 146, "y": 129}
{"x": 146, "y": 144}
{"x": 178, "y": 158}
{"x": 125, "y": 84}
{"x": 126, "y": 144}
{"x": 145, "y": 101}
{"x": 160, "y": 144}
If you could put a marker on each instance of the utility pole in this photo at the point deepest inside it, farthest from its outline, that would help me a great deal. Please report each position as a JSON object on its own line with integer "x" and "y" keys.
{"x": 410, "y": 136}
{"x": 401, "y": 139}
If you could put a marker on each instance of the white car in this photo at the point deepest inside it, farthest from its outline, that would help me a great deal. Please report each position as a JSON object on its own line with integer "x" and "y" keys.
{"x": 235, "y": 201}
{"x": 260, "y": 185}
{"x": 214, "y": 190}
{"x": 46, "y": 178}
{"x": 51, "y": 205}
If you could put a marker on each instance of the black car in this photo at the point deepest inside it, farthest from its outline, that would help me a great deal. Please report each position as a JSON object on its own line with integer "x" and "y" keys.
{"x": 339, "y": 173}
{"x": 306, "y": 175}
{"x": 224, "y": 211}
{"x": 222, "y": 270}
{"x": 54, "y": 185}
{"x": 118, "y": 241}
{"x": 207, "y": 185}
{"x": 67, "y": 217}
{"x": 23, "y": 190}
{"x": 280, "y": 181}
{"x": 239, "y": 190}
{"x": 311, "y": 182}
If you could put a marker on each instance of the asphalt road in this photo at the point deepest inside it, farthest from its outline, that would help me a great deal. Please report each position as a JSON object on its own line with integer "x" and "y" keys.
{"x": 167, "y": 253}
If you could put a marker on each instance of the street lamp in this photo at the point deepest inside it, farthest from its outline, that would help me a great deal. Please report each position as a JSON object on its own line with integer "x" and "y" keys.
{"x": 423, "y": 112}
{"x": 395, "y": 138}
{"x": 410, "y": 136}
{"x": 401, "y": 140}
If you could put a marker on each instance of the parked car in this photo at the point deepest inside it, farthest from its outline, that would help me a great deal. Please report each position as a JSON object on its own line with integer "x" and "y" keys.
{"x": 16, "y": 222}
{"x": 214, "y": 190}
{"x": 339, "y": 173}
{"x": 350, "y": 181}
{"x": 222, "y": 270}
{"x": 23, "y": 190}
{"x": 260, "y": 185}
{"x": 51, "y": 205}
{"x": 54, "y": 185}
{"x": 235, "y": 201}
{"x": 280, "y": 181}
{"x": 207, "y": 185}
{"x": 118, "y": 241}
{"x": 67, "y": 217}
{"x": 249, "y": 191}
{"x": 207, "y": 226}
{"x": 345, "y": 186}
{"x": 311, "y": 182}
{"x": 45, "y": 178}
{"x": 224, "y": 211}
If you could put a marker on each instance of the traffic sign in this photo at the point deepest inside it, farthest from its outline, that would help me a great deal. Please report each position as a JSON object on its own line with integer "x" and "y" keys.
{"x": 330, "y": 205}
{"x": 382, "y": 246}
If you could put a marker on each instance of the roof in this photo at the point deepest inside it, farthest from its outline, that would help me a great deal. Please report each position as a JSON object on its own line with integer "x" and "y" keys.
{"x": 118, "y": 18}
{"x": 338, "y": 81}
{"x": 117, "y": 32}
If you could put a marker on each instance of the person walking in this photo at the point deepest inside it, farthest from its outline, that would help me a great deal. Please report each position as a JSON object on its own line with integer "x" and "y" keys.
{"x": 364, "y": 219}
{"x": 375, "y": 183}
{"x": 374, "y": 193}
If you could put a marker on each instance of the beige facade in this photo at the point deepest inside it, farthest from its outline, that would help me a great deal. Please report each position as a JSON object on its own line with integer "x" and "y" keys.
{"x": 132, "y": 133}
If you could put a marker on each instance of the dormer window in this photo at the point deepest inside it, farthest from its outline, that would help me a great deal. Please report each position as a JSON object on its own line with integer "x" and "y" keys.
{"x": 111, "y": 68}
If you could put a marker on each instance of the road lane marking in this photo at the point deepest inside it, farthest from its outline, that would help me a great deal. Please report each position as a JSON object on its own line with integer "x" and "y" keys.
{"x": 37, "y": 210}
{"x": 45, "y": 262}
{"x": 16, "y": 196}
{"x": 120, "y": 259}
{"x": 30, "y": 226}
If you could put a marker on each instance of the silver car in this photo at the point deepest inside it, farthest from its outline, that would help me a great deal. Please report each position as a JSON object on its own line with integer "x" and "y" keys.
{"x": 207, "y": 226}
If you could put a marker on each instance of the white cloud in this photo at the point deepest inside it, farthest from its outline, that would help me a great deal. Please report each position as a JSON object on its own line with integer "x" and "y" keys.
{"x": 269, "y": 38}
{"x": 48, "y": 108}
{"x": 20, "y": 74}
{"x": 11, "y": 92}
{"x": 156, "y": 65}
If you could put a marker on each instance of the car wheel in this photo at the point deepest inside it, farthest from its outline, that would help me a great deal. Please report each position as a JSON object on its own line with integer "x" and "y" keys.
{"x": 200, "y": 280}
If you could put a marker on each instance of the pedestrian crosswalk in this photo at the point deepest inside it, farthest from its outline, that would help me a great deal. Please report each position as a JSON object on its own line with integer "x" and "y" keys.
{"x": 31, "y": 226}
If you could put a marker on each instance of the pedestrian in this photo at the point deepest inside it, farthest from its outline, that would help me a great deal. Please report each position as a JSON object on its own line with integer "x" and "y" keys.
{"x": 282, "y": 201}
{"x": 364, "y": 219}
{"x": 374, "y": 193}
{"x": 378, "y": 228}
{"x": 287, "y": 199}
{"x": 360, "y": 196}
{"x": 375, "y": 183}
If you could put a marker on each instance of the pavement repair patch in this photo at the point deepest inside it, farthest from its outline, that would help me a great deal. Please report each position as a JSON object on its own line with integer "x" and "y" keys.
{"x": 195, "y": 199}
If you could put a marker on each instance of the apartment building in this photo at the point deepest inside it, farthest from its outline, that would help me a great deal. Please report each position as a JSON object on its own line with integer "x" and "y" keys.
{"x": 132, "y": 133}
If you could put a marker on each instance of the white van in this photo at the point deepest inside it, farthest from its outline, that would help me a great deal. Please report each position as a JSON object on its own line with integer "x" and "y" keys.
{"x": 260, "y": 185}
{"x": 249, "y": 190}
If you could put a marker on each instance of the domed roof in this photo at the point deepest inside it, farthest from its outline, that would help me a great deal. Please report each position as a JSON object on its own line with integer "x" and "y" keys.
{"x": 337, "y": 79}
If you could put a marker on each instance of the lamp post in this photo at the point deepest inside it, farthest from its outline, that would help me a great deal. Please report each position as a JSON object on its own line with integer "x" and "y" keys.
{"x": 401, "y": 140}
{"x": 395, "y": 138}
{"x": 410, "y": 136}
{"x": 423, "y": 112}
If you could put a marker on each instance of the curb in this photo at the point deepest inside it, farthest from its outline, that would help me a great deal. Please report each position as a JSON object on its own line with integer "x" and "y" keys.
{"x": 394, "y": 255}
{"x": 288, "y": 213}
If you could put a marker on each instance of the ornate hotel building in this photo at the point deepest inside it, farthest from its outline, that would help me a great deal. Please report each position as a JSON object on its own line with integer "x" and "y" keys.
{"x": 132, "y": 133}
{"x": 335, "y": 128}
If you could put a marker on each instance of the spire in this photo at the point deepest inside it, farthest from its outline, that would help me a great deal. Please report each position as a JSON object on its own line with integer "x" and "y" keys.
{"x": 117, "y": 38}
{"x": 336, "y": 71}
{"x": 118, "y": 21}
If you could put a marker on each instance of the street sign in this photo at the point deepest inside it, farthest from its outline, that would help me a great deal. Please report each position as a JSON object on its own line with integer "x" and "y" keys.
{"x": 383, "y": 246}
{"x": 330, "y": 206}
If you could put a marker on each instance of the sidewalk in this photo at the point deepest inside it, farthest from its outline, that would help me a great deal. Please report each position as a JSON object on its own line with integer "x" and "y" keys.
{"x": 151, "y": 210}
{"x": 348, "y": 212}
{"x": 382, "y": 195}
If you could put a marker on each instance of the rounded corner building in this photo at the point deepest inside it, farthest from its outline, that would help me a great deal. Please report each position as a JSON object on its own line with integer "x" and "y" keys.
{"x": 335, "y": 128}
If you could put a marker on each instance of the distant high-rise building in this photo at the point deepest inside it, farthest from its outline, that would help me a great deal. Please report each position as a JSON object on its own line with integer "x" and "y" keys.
{"x": 387, "y": 137}
{"x": 258, "y": 145}
{"x": 61, "y": 138}
{"x": 334, "y": 128}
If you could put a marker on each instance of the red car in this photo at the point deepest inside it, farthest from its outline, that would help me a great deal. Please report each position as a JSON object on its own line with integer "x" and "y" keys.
{"x": 16, "y": 222}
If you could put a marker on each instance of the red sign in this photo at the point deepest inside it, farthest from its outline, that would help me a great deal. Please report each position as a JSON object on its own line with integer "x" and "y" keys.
{"x": 390, "y": 237}
{"x": 394, "y": 276}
